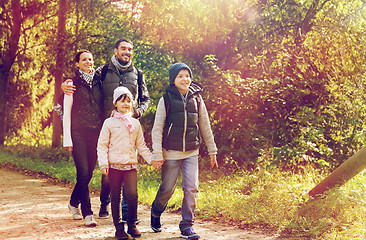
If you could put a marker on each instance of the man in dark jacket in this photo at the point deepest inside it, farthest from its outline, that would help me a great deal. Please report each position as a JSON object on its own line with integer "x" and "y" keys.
{"x": 119, "y": 71}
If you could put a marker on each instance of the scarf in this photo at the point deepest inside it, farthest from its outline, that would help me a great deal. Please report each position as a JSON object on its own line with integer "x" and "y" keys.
{"x": 118, "y": 65}
{"x": 126, "y": 118}
{"x": 88, "y": 77}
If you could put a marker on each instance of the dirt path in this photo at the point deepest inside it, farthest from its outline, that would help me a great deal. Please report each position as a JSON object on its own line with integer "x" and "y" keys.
{"x": 36, "y": 208}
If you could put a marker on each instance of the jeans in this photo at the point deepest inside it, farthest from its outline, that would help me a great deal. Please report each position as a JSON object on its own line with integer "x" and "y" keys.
{"x": 127, "y": 180}
{"x": 85, "y": 157}
{"x": 169, "y": 176}
{"x": 105, "y": 196}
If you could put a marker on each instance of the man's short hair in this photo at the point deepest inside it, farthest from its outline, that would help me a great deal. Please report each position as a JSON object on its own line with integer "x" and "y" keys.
{"x": 116, "y": 45}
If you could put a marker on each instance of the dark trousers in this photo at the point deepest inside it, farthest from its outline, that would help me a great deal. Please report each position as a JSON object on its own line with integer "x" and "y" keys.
{"x": 85, "y": 157}
{"x": 105, "y": 196}
{"x": 128, "y": 181}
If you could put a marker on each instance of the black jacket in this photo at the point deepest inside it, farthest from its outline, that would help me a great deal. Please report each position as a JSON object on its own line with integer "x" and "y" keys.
{"x": 86, "y": 109}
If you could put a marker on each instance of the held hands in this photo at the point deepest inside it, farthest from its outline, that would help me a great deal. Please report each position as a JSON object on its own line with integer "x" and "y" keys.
{"x": 67, "y": 88}
{"x": 105, "y": 171}
{"x": 157, "y": 164}
{"x": 213, "y": 161}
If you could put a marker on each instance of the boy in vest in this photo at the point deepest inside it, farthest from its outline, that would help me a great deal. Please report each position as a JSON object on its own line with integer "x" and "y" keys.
{"x": 181, "y": 121}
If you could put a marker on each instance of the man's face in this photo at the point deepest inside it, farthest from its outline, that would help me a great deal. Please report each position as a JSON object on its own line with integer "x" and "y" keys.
{"x": 123, "y": 52}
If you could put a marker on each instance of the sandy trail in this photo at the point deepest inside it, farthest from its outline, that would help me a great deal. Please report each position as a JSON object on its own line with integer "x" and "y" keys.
{"x": 36, "y": 208}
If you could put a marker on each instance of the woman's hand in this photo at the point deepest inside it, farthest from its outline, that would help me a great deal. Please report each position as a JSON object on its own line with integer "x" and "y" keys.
{"x": 67, "y": 88}
{"x": 69, "y": 149}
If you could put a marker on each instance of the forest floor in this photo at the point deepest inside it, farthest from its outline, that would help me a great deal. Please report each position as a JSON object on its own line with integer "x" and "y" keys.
{"x": 35, "y": 207}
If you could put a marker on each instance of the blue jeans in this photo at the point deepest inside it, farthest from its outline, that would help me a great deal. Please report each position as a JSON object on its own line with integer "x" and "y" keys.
{"x": 85, "y": 157}
{"x": 128, "y": 181}
{"x": 169, "y": 177}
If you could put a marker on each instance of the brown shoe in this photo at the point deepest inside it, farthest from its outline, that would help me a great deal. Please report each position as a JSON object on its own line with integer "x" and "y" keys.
{"x": 121, "y": 234}
{"x": 133, "y": 231}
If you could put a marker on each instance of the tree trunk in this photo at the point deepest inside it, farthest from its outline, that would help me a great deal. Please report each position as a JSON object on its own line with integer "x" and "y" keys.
{"x": 8, "y": 57}
{"x": 60, "y": 63}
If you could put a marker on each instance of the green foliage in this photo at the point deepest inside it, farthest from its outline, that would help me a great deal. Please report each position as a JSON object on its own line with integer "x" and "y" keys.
{"x": 283, "y": 81}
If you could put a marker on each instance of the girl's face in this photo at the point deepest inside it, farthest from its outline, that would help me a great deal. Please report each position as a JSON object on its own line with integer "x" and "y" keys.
{"x": 86, "y": 62}
{"x": 182, "y": 81}
{"x": 124, "y": 105}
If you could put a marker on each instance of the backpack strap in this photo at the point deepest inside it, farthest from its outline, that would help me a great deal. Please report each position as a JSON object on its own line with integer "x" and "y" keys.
{"x": 166, "y": 97}
{"x": 104, "y": 71}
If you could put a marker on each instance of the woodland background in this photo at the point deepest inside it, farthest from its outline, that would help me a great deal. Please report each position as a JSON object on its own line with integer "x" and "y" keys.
{"x": 284, "y": 79}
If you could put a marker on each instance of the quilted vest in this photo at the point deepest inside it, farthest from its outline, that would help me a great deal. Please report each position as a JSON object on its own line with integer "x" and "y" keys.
{"x": 181, "y": 131}
{"x": 114, "y": 79}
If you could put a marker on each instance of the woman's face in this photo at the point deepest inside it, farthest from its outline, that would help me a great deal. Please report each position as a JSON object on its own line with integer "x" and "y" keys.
{"x": 86, "y": 62}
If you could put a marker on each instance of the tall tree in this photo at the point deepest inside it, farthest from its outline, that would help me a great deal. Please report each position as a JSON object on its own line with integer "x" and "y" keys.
{"x": 8, "y": 52}
{"x": 60, "y": 63}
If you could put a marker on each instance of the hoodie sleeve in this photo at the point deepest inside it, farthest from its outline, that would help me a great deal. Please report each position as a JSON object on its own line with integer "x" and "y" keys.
{"x": 66, "y": 123}
{"x": 157, "y": 131}
{"x": 205, "y": 128}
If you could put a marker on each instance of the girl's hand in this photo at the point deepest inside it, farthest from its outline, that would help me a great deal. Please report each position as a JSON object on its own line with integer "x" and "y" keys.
{"x": 105, "y": 171}
{"x": 157, "y": 164}
{"x": 69, "y": 149}
{"x": 213, "y": 161}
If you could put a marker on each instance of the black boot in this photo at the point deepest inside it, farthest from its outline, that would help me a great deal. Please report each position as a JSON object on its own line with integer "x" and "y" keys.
{"x": 103, "y": 211}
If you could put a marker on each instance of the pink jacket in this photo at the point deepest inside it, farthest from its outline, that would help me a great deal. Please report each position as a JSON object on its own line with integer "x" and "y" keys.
{"x": 116, "y": 145}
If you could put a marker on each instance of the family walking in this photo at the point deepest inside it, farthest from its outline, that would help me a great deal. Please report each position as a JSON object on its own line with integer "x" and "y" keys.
{"x": 100, "y": 124}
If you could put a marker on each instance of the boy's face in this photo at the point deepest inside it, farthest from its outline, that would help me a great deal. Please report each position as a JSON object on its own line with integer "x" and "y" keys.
{"x": 124, "y": 52}
{"x": 182, "y": 81}
{"x": 124, "y": 105}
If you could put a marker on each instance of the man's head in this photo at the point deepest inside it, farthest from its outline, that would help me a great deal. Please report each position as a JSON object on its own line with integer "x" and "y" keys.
{"x": 123, "y": 50}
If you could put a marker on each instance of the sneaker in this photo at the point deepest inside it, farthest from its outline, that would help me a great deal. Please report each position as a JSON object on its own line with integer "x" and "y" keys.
{"x": 75, "y": 212}
{"x": 103, "y": 212}
{"x": 121, "y": 234}
{"x": 155, "y": 224}
{"x": 189, "y": 234}
{"x": 134, "y": 232}
{"x": 90, "y": 221}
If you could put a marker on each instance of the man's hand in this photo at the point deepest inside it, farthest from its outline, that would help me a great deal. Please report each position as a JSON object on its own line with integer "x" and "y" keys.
{"x": 67, "y": 88}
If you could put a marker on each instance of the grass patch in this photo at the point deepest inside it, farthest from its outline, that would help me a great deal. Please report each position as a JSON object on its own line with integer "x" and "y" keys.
{"x": 266, "y": 199}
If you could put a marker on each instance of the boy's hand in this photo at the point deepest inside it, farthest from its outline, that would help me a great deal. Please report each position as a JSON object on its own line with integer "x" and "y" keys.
{"x": 157, "y": 164}
{"x": 67, "y": 88}
{"x": 213, "y": 161}
{"x": 105, "y": 171}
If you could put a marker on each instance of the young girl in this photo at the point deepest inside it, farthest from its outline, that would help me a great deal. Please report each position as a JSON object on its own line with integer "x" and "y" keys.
{"x": 81, "y": 125}
{"x": 120, "y": 137}
{"x": 181, "y": 119}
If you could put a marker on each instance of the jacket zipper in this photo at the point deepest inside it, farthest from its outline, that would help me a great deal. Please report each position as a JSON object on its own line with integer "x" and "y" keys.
{"x": 185, "y": 122}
